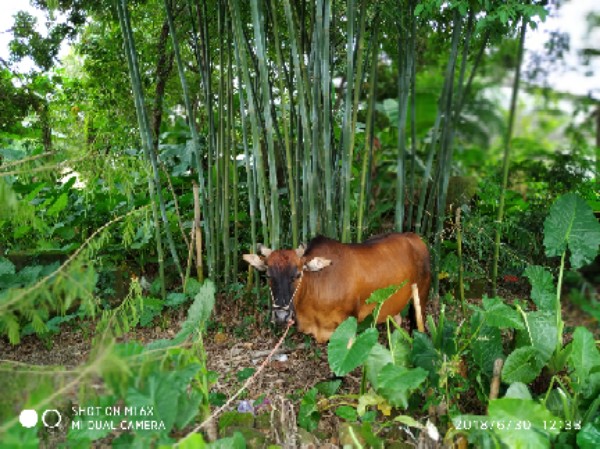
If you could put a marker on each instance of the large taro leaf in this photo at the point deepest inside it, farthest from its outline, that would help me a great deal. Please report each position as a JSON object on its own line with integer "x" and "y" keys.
{"x": 424, "y": 355}
{"x": 500, "y": 315}
{"x": 521, "y": 365}
{"x": 397, "y": 382}
{"x": 522, "y": 423}
{"x": 487, "y": 346}
{"x": 346, "y": 350}
{"x": 571, "y": 223}
{"x": 543, "y": 292}
{"x": 585, "y": 360}
{"x": 541, "y": 333}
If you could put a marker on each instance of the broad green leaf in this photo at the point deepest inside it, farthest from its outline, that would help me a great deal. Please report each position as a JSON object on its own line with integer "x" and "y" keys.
{"x": 381, "y": 295}
{"x": 175, "y": 299}
{"x": 200, "y": 310}
{"x": 571, "y": 223}
{"x": 528, "y": 413}
{"x": 425, "y": 356}
{"x": 589, "y": 436}
{"x": 498, "y": 314}
{"x": 487, "y": 345}
{"x": 543, "y": 291}
{"x": 397, "y": 383}
{"x": 346, "y": 412}
{"x": 308, "y": 415}
{"x": 346, "y": 350}
{"x": 541, "y": 333}
{"x": 6, "y": 268}
{"x": 585, "y": 360}
{"x": 237, "y": 441}
{"x": 518, "y": 390}
{"x": 379, "y": 357}
{"x": 191, "y": 441}
{"x": 522, "y": 365}
{"x": 559, "y": 402}
{"x": 189, "y": 407}
{"x": 58, "y": 205}
{"x": 328, "y": 388}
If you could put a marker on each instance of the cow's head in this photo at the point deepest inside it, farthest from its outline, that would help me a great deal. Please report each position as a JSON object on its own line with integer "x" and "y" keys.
{"x": 284, "y": 268}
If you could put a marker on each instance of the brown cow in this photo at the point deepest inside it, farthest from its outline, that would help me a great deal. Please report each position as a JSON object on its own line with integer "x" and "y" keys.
{"x": 329, "y": 281}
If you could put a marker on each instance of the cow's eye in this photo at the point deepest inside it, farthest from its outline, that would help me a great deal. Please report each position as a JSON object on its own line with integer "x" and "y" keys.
{"x": 296, "y": 276}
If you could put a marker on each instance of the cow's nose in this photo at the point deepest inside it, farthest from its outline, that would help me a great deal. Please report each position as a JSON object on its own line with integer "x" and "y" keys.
{"x": 281, "y": 316}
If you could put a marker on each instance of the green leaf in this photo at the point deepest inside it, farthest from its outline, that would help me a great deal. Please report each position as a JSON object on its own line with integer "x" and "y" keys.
{"x": 346, "y": 412}
{"x": 381, "y": 295}
{"x": 409, "y": 421}
{"x": 522, "y": 365}
{"x": 328, "y": 388}
{"x": 191, "y": 441}
{"x": 518, "y": 390}
{"x": 378, "y": 358}
{"x": 589, "y": 436}
{"x": 543, "y": 291}
{"x": 6, "y": 268}
{"x": 308, "y": 415}
{"x": 425, "y": 356}
{"x": 58, "y": 205}
{"x": 369, "y": 399}
{"x": 487, "y": 348}
{"x": 585, "y": 361}
{"x": 571, "y": 223}
{"x": 527, "y": 412}
{"x": 541, "y": 333}
{"x": 200, "y": 310}
{"x": 188, "y": 409}
{"x": 498, "y": 314}
{"x": 396, "y": 383}
{"x": 236, "y": 441}
{"x": 175, "y": 299}
{"x": 346, "y": 350}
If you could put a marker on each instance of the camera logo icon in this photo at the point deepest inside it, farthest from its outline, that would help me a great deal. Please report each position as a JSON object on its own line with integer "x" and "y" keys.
{"x": 51, "y": 418}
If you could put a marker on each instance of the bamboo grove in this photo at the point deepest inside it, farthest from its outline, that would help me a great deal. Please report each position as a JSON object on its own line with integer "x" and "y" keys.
{"x": 282, "y": 123}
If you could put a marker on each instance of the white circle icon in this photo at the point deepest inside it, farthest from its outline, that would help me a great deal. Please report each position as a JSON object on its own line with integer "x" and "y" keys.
{"x": 28, "y": 418}
{"x": 52, "y": 424}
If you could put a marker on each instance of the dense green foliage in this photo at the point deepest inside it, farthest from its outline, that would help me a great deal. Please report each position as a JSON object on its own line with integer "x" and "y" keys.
{"x": 176, "y": 135}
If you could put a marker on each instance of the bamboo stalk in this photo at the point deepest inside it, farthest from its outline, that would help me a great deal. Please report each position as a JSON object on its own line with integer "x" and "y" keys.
{"x": 305, "y": 141}
{"x": 445, "y": 154}
{"x": 289, "y": 162}
{"x": 369, "y": 137}
{"x": 260, "y": 44}
{"x": 144, "y": 124}
{"x": 405, "y": 70}
{"x": 461, "y": 268}
{"x": 506, "y": 158}
{"x": 198, "y": 232}
{"x": 347, "y": 130}
{"x": 258, "y": 164}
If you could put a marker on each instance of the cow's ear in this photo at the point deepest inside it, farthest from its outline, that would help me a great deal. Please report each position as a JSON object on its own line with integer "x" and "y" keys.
{"x": 317, "y": 264}
{"x": 300, "y": 250}
{"x": 256, "y": 261}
